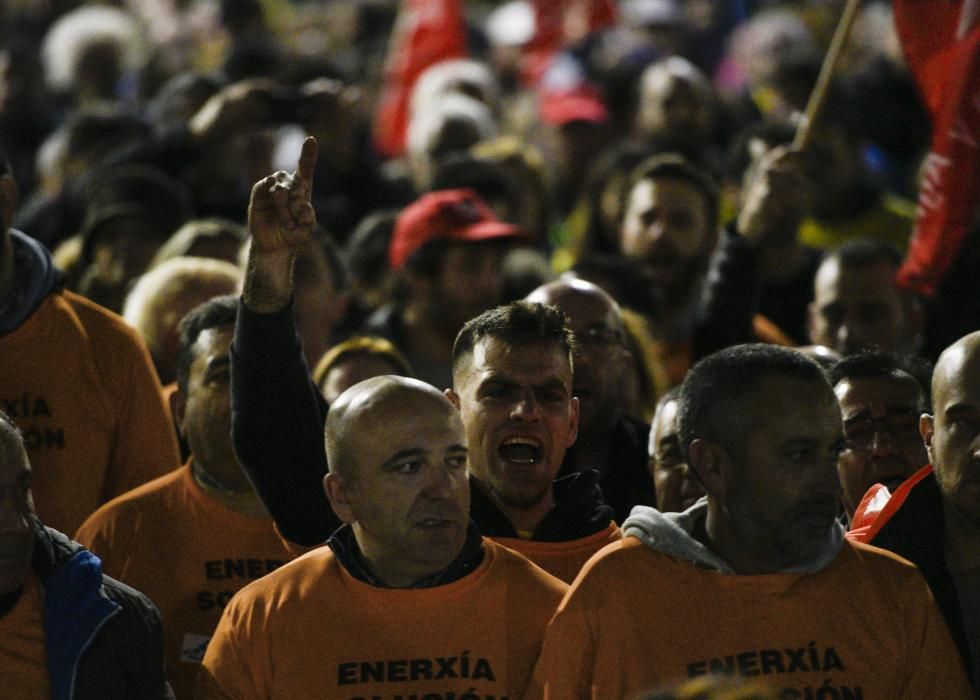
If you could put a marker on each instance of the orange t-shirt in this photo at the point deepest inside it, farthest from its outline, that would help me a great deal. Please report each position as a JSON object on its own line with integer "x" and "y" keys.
{"x": 310, "y": 630}
{"x": 79, "y": 383}
{"x": 188, "y": 553}
{"x": 23, "y": 658}
{"x": 865, "y": 626}
{"x": 563, "y": 560}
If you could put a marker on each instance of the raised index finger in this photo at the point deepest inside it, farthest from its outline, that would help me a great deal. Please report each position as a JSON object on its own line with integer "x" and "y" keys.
{"x": 307, "y": 164}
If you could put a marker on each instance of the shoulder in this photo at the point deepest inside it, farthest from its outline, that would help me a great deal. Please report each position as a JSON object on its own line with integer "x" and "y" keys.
{"x": 291, "y": 584}
{"x": 614, "y": 561}
{"x": 518, "y": 570}
{"x": 137, "y": 610}
{"x": 143, "y": 501}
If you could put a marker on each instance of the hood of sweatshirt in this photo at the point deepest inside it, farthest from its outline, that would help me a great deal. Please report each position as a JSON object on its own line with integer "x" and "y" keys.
{"x": 673, "y": 534}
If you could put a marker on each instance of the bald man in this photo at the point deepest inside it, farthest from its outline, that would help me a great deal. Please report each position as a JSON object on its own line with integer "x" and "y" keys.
{"x": 407, "y": 598}
{"x": 933, "y": 519}
{"x": 609, "y": 440}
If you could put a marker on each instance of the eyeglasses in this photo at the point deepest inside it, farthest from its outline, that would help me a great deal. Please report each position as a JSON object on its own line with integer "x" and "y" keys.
{"x": 599, "y": 337}
{"x": 901, "y": 427}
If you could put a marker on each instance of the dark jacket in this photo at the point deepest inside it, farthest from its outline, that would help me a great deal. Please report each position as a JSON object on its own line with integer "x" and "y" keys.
{"x": 916, "y": 531}
{"x": 103, "y": 639}
{"x": 626, "y": 480}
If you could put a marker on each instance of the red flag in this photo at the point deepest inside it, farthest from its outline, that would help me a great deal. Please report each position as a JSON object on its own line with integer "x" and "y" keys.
{"x": 558, "y": 23}
{"x": 941, "y": 41}
{"x": 426, "y": 32}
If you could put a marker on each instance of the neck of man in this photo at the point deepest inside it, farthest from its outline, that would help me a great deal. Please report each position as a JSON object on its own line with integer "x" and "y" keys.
{"x": 743, "y": 554}
{"x": 394, "y": 573}
{"x": 523, "y": 518}
{"x": 242, "y": 500}
{"x": 962, "y": 545}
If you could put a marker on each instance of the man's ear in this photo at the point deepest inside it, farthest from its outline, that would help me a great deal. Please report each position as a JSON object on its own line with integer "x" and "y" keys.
{"x": 573, "y": 411}
{"x": 336, "y": 490}
{"x": 709, "y": 462}
{"x": 178, "y": 409}
{"x": 453, "y": 397}
{"x": 927, "y": 429}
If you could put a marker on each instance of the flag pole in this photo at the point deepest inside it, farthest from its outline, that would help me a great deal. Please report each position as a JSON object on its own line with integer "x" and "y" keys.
{"x": 817, "y": 98}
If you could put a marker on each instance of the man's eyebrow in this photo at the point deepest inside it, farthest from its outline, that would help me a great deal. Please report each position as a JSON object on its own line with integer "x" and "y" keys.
{"x": 961, "y": 408}
{"x": 404, "y": 454}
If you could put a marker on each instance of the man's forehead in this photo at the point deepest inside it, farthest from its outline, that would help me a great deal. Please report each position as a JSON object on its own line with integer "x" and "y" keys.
{"x": 894, "y": 390}
{"x": 956, "y": 380}
{"x": 495, "y": 357}
{"x": 835, "y": 282}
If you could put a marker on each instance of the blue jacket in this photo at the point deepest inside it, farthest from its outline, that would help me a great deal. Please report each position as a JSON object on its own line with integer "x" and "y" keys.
{"x": 103, "y": 639}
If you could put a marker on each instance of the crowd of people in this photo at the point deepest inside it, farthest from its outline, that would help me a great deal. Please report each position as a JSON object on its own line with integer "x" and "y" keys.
{"x": 431, "y": 349}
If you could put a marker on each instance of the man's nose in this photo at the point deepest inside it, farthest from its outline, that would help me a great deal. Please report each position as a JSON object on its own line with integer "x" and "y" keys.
{"x": 526, "y": 407}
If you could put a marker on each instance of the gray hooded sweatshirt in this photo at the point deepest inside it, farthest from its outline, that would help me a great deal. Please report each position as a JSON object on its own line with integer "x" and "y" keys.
{"x": 673, "y": 534}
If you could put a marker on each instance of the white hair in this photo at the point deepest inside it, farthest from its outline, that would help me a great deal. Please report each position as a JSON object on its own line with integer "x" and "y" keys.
{"x": 450, "y": 77}
{"x": 151, "y": 303}
{"x": 69, "y": 37}
{"x": 426, "y": 125}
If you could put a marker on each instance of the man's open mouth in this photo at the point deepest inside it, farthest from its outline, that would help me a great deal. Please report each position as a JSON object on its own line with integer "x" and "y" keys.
{"x": 521, "y": 450}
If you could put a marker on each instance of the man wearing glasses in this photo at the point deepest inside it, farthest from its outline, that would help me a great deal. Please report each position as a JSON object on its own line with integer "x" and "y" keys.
{"x": 881, "y": 398}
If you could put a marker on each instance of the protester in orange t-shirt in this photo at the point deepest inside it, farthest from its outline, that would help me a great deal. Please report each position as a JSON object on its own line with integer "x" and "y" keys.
{"x": 192, "y": 538}
{"x": 408, "y": 599}
{"x": 755, "y": 579}
{"x": 78, "y": 381}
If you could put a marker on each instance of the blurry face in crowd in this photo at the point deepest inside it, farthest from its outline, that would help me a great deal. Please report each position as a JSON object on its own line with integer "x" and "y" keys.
{"x": 676, "y": 487}
{"x": 318, "y": 304}
{"x": 16, "y": 511}
{"x": 205, "y": 416}
{"x": 881, "y": 432}
{"x": 468, "y": 284}
{"x": 857, "y": 309}
{"x": 601, "y": 358}
{"x": 783, "y": 491}
{"x": 516, "y": 403}
{"x": 952, "y": 434}
{"x": 407, "y": 496}
{"x": 673, "y": 111}
{"x": 666, "y": 229}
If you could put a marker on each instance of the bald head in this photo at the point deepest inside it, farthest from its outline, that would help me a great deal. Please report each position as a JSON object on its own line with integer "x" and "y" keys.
{"x": 952, "y": 434}
{"x": 365, "y": 410}
{"x": 602, "y": 359}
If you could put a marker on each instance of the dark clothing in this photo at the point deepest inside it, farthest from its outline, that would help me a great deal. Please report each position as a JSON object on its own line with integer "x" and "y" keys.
{"x": 786, "y": 303}
{"x": 626, "y": 480}
{"x": 917, "y": 532}
{"x": 579, "y": 511}
{"x": 277, "y": 428}
{"x": 344, "y": 546}
{"x": 103, "y": 639}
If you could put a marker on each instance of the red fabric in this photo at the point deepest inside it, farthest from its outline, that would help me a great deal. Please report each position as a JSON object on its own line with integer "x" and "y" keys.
{"x": 870, "y": 517}
{"x": 558, "y": 23}
{"x": 946, "y": 64}
{"x": 426, "y": 32}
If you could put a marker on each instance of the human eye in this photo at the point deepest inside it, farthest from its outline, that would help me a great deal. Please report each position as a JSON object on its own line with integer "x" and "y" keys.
{"x": 458, "y": 461}
{"x": 407, "y": 466}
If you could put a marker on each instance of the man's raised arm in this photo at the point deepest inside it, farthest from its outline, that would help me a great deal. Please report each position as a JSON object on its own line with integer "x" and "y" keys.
{"x": 277, "y": 412}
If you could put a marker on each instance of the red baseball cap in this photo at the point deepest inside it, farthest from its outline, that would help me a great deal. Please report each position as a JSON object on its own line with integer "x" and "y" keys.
{"x": 582, "y": 103}
{"x": 456, "y": 215}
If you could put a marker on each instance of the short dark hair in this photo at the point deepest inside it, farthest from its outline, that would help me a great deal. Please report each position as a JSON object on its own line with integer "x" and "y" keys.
{"x": 707, "y": 405}
{"x": 214, "y": 313}
{"x": 673, "y": 166}
{"x": 517, "y": 323}
{"x": 865, "y": 252}
{"x": 865, "y": 365}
